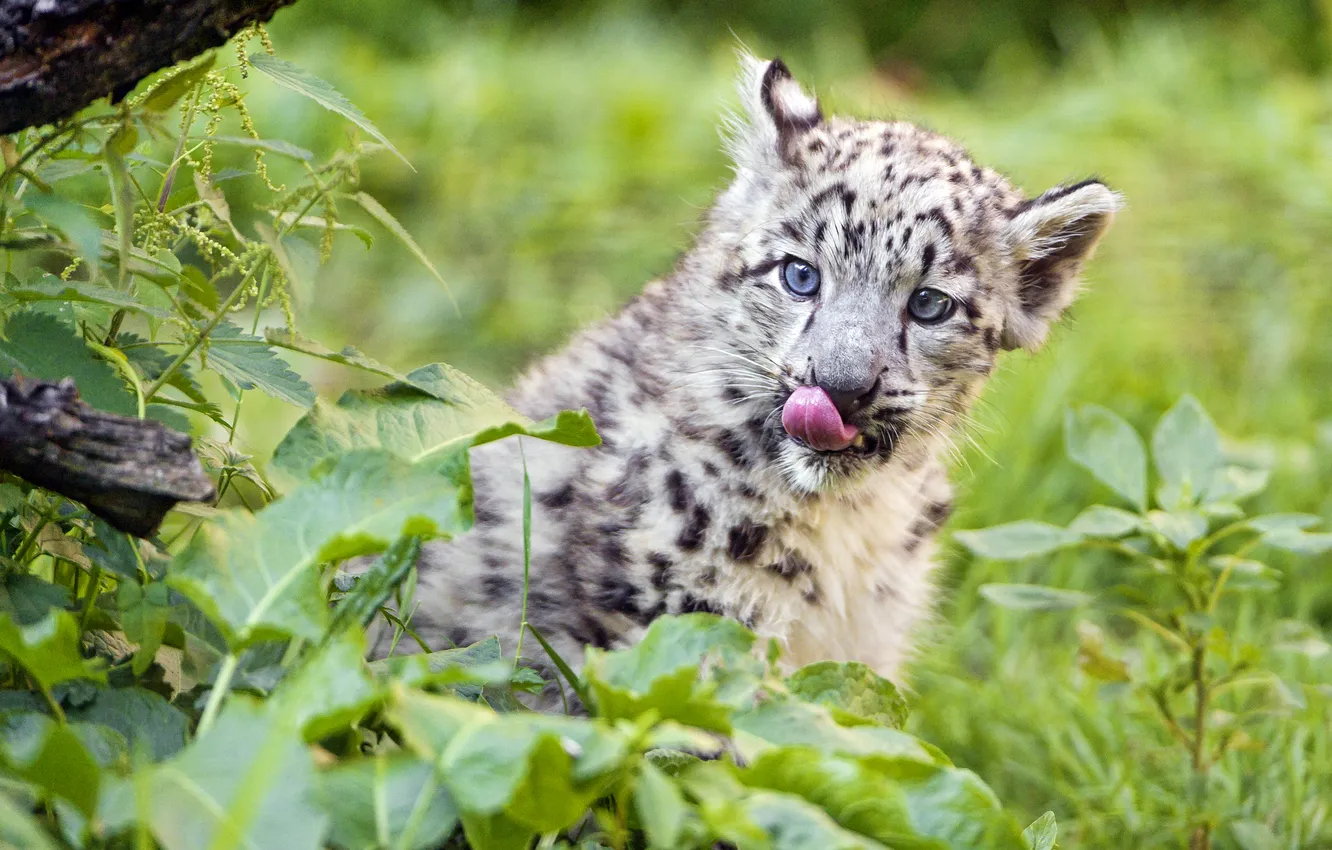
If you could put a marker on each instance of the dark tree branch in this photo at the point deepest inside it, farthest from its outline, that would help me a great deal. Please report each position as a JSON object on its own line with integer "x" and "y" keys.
{"x": 128, "y": 471}
{"x": 57, "y": 56}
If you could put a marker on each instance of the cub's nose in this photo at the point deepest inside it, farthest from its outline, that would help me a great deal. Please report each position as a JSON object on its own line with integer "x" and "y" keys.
{"x": 849, "y": 396}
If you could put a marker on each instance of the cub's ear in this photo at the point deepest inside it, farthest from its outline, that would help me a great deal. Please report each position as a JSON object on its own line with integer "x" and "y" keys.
{"x": 1051, "y": 237}
{"x": 777, "y": 114}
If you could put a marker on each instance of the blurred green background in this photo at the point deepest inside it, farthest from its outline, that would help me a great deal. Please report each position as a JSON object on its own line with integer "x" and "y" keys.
{"x": 564, "y": 153}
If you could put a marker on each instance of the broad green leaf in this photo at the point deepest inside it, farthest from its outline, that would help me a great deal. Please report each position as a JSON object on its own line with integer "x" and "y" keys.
{"x": 478, "y": 664}
{"x": 144, "y": 610}
{"x": 794, "y": 824}
{"x": 19, "y": 829}
{"x": 1105, "y": 521}
{"x": 175, "y": 83}
{"x": 1016, "y": 540}
{"x": 1034, "y": 597}
{"x": 1283, "y": 522}
{"x": 860, "y": 798}
{"x": 661, "y": 672}
{"x": 386, "y": 801}
{"x": 29, "y": 599}
{"x": 374, "y": 586}
{"x": 1187, "y": 451}
{"x": 253, "y": 574}
{"x": 303, "y": 82}
{"x": 384, "y": 217}
{"x": 331, "y": 690}
{"x": 247, "y": 782}
{"x": 113, "y": 551}
{"x": 1042, "y": 833}
{"x": 850, "y": 688}
{"x": 40, "y": 346}
{"x": 660, "y": 806}
{"x": 122, "y": 192}
{"x": 12, "y": 498}
{"x": 348, "y": 356}
{"x": 1254, "y": 835}
{"x": 1181, "y": 528}
{"x": 48, "y": 650}
{"x": 436, "y": 410}
{"x": 1235, "y": 484}
{"x": 146, "y": 720}
{"x": 1093, "y": 658}
{"x": 277, "y": 146}
{"x": 74, "y": 220}
{"x": 495, "y": 832}
{"x": 1110, "y": 449}
{"x": 50, "y": 755}
{"x": 251, "y": 364}
{"x": 788, "y": 722}
{"x": 48, "y": 287}
{"x": 1299, "y": 542}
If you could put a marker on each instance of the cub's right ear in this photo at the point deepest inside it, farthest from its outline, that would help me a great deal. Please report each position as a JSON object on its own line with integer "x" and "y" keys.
{"x": 777, "y": 113}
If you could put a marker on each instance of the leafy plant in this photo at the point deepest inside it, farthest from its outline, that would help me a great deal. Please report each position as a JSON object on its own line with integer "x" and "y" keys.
{"x": 208, "y": 687}
{"x": 1187, "y": 547}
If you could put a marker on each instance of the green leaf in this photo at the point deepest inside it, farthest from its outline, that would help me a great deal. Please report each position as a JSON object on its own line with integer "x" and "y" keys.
{"x": 1187, "y": 451}
{"x": 48, "y": 650}
{"x": 177, "y": 82}
{"x": 1254, "y": 835}
{"x": 1042, "y": 833}
{"x": 141, "y": 716}
{"x": 785, "y": 722}
{"x": 254, "y": 574}
{"x": 478, "y": 664}
{"x": 437, "y": 410}
{"x": 1016, "y": 540}
{"x": 72, "y": 219}
{"x": 40, "y": 346}
{"x": 791, "y": 823}
{"x": 386, "y": 801}
{"x": 1283, "y": 522}
{"x": 113, "y": 551}
{"x": 348, "y": 356}
{"x": 303, "y": 82}
{"x": 277, "y": 146}
{"x": 1110, "y": 449}
{"x": 661, "y": 672}
{"x": 19, "y": 829}
{"x": 330, "y": 691}
{"x": 850, "y": 688}
{"x": 122, "y": 192}
{"x": 246, "y": 782}
{"x": 1104, "y": 521}
{"x": 250, "y": 363}
{"x": 1298, "y": 542}
{"x": 660, "y": 806}
{"x": 384, "y": 217}
{"x": 50, "y": 755}
{"x": 1235, "y": 484}
{"x": 144, "y": 611}
{"x": 48, "y": 287}
{"x": 1034, "y": 597}
{"x": 30, "y": 599}
{"x": 374, "y": 587}
{"x": 1181, "y": 528}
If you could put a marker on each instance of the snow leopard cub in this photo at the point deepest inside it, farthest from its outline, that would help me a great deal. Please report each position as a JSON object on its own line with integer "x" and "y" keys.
{"x": 773, "y": 411}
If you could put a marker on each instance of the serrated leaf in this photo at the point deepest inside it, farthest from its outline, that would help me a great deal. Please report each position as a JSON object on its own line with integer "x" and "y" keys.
{"x": 437, "y": 410}
{"x": 303, "y": 82}
{"x": 386, "y": 801}
{"x": 1105, "y": 521}
{"x": 660, "y": 805}
{"x": 40, "y": 346}
{"x": 1110, "y": 449}
{"x": 48, "y": 287}
{"x": 348, "y": 356}
{"x": 74, "y": 220}
{"x": 146, "y": 720}
{"x": 1186, "y": 448}
{"x": 384, "y": 217}
{"x": 144, "y": 610}
{"x": 374, "y": 587}
{"x": 331, "y": 690}
{"x": 277, "y": 146}
{"x": 1042, "y": 833}
{"x": 1034, "y": 597}
{"x": 122, "y": 192}
{"x": 253, "y": 574}
{"x": 29, "y": 599}
{"x": 250, "y": 363}
{"x": 19, "y": 829}
{"x": 47, "y": 650}
{"x": 112, "y": 550}
{"x": 246, "y": 782}
{"x": 50, "y": 755}
{"x": 850, "y": 688}
{"x": 175, "y": 83}
{"x": 1181, "y": 528}
{"x": 1016, "y": 540}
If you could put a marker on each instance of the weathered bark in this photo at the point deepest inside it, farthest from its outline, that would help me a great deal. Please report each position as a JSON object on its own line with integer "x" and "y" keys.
{"x": 57, "y": 56}
{"x": 128, "y": 471}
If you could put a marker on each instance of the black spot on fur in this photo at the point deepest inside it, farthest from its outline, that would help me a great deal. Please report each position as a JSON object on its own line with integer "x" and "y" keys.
{"x": 927, "y": 259}
{"x": 734, "y": 446}
{"x": 661, "y": 570}
{"x": 483, "y": 516}
{"x": 616, "y": 593}
{"x": 695, "y": 527}
{"x": 791, "y": 566}
{"x": 558, "y": 498}
{"x": 498, "y": 587}
{"x": 677, "y": 490}
{"x": 691, "y": 604}
{"x": 746, "y": 539}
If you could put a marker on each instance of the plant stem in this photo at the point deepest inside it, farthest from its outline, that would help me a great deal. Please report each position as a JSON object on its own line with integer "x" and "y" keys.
{"x": 184, "y": 355}
{"x": 53, "y": 705}
{"x": 31, "y": 539}
{"x": 527, "y": 551}
{"x": 221, "y": 685}
{"x": 94, "y": 583}
{"x": 1202, "y": 834}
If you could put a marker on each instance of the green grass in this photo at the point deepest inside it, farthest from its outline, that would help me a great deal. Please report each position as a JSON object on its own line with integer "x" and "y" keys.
{"x": 559, "y": 168}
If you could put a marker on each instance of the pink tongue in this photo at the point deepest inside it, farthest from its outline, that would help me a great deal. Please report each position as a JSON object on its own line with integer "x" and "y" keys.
{"x": 811, "y": 416}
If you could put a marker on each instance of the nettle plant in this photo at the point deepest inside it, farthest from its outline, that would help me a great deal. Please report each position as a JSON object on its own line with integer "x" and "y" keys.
{"x": 1186, "y": 550}
{"x": 207, "y": 687}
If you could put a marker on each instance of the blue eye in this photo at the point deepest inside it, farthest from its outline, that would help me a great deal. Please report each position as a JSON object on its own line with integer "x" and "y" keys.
{"x": 930, "y": 306}
{"x": 800, "y": 277}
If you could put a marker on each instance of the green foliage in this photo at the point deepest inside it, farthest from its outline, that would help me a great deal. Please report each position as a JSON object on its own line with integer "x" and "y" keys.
{"x": 1181, "y": 559}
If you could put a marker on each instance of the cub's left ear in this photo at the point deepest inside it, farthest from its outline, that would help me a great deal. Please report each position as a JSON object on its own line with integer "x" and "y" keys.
{"x": 1051, "y": 237}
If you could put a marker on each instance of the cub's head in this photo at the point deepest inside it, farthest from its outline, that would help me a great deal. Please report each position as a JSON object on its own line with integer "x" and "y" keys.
{"x": 869, "y": 272}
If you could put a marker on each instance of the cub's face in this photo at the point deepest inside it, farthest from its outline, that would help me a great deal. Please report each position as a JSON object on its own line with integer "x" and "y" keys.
{"x": 873, "y": 274}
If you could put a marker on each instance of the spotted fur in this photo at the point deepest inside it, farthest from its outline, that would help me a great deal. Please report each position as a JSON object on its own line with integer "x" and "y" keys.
{"x": 697, "y": 500}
